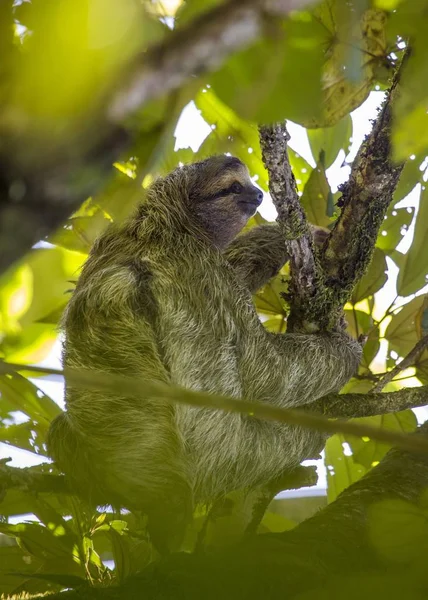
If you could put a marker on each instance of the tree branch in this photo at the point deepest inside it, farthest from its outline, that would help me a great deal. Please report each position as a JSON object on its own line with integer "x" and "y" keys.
{"x": 29, "y": 480}
{"x": 197, "y": 48}
{"x": 407, "y": 361}
{"x": 136, "y": 387}
{"x": 351, "y": 406}
{"x": 306, "y": 275}
{"x": 321, "y": 285}
{"x": 365, "y": 199}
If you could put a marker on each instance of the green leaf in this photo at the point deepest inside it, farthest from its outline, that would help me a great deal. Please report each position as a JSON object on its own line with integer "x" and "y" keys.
{"x": 394, "y": 228}
{"x": 28, "y": 436}
{"x": 356, "y": 48}
{"x": 16, "y": 294}
{"x": 41, "y": 542}
{"x": 315, "y": 197}
{"x": 341, "y": 469}
{"x": 414, "y": 265}
{"x": 373, "y": 280}
{"x": 398, "y": 530}
{"x": 25, "y": 396}
{"x": 277, "y": 77}
{"x": 231, "y": 134}
{"x": 121, "y": 554}
{"x": 268, "y": 300}
{"x": 410, "y": 122}
{"x": 410, "y": 176}
{"x": 369, "y": 452}
{"x": 14, "y": 559}
{"x": 331, "y": 140}
{"x": 275, "y": 523}
{"x": 403, "y": 332}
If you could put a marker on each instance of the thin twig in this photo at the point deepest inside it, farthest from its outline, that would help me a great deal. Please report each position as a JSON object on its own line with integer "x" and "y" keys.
{"x": 407, "y": 361}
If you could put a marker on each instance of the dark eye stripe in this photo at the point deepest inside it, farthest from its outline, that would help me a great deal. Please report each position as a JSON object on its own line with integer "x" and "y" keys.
{"x": 225, "y": 192}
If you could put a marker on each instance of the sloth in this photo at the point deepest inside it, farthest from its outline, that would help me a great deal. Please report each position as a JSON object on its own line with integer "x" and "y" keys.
{"x": 167, "y": 296}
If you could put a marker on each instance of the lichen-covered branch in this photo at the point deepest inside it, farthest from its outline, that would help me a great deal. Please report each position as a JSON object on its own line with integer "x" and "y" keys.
{"x": 365, "y": 199}
{"x": 29, "y": 480}
{"x": 320, "y": 288}
{"x": 306, "y": 275}
{"x": 351, "y": 406}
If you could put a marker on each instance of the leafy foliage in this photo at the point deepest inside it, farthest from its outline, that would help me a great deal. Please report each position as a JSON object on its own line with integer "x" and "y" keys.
{"x": 313, "y": 68}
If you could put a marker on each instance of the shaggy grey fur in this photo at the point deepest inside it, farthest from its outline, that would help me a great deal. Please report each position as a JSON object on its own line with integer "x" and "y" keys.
{"x": 167, "y": 296}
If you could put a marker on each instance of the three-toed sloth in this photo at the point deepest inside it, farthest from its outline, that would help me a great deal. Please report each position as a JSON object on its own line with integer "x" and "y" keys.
{"x": 167, "y": 296}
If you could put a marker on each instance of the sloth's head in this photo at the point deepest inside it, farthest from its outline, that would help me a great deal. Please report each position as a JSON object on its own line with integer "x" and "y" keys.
{"x": 222, "y": 197}
{"x": 215, "y": 196}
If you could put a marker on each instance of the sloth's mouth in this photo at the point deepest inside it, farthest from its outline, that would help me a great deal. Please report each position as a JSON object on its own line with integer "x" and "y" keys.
{"x": 250, "y": 205}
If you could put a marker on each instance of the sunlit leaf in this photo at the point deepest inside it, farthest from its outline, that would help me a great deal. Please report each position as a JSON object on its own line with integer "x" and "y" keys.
{"x": 331, "y": 140}
{"x": 414, "y": 266}
{"x": 341, "y": 469}
{"x": 257, "y": 82}
{"x": 370, "y": 452}
{"x": 394, "y": 228}
{"x": 402, "y": 332}
{"x": 373, "y": 280}
{"x": 316, "y": 196}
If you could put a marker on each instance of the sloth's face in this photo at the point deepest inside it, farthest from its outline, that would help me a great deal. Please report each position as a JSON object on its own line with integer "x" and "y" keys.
{"x": 226, "y": 198}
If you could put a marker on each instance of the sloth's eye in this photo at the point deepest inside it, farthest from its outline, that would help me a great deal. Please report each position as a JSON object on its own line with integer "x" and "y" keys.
{"x": 236, "y": 188}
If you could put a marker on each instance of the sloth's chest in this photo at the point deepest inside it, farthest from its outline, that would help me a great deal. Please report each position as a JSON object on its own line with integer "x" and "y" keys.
{"x": 200, "y": 333}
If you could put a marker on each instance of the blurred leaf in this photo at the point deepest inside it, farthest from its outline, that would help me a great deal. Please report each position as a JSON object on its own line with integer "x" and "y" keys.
{"x": 413, "y": 273}
{"x": 341, "y": 469}
{"x": 256, "y": 82}
{"x": 398, "y": 530}
{"x": 422, "y": 368}
{"x": 16, "y": 294}
{"x": 191, "y": 9}
{"x": 14, "y": 559}
{"x": 315, "y": 197}
{"x": 359, "y": 323}
{"x": 42, "y": 543}
{"x": 369, "y": 452}
{"x": 268, "y": 300}
{"x": 80, "y": 232}
{"x": 373, "y": 280}
{"x": 355, "y": 49}
{"x": 230, "y": 134}
{"x": 275, "y": 523}
{"x": 331, "y": 140}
